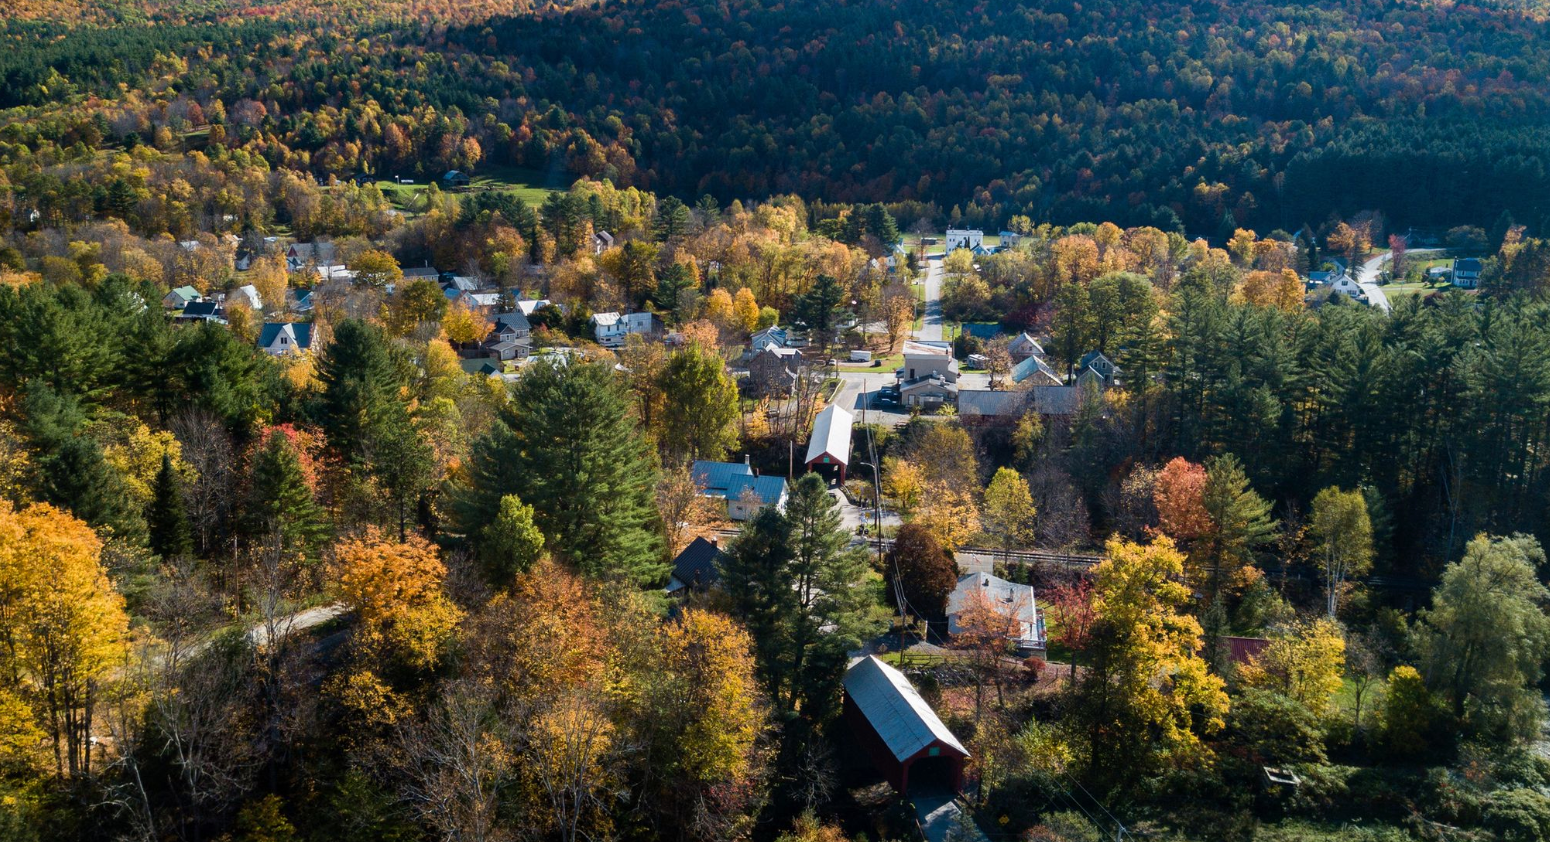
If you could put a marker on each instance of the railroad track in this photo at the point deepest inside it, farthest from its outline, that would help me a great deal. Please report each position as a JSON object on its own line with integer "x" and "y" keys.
{"x": 1409, "y": 584}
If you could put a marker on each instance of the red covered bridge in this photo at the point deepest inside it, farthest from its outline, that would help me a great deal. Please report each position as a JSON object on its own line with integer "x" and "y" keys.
{"x": 904, "y": 737}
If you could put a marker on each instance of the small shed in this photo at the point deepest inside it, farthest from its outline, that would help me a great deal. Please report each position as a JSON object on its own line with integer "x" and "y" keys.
{"x": 829, "y": 446}
{"x": 905, "y": 739}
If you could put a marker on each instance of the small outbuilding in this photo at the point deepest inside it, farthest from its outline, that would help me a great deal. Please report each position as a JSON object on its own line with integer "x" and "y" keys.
{"x": 904, "y": 737}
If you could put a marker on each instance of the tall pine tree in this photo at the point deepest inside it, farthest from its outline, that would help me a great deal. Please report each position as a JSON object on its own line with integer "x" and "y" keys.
{"x": 165, "y": 517}
{"x": 568, "y": 446}
{"x": 281, "y": 505}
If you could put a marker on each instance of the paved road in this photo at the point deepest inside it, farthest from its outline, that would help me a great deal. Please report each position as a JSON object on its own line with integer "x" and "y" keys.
{"x": 1369, "y": 279}
{"x": 931, "y": 324}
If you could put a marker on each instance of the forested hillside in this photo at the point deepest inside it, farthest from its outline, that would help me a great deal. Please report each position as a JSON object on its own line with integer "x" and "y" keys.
{"x": 1205, "y": 115}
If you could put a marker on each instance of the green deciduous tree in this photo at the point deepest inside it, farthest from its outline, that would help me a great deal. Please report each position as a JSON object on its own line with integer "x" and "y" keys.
{"x": 1343, "y": 533}
{"x": 1486, "y": 636}
{"x": 510, "y": 544}
{"x": 699, "y": 413}
{"x": 924, "y": 571}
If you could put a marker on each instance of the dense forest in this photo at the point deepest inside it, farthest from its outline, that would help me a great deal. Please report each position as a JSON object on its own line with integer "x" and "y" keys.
{"x": 1188, "y": 116}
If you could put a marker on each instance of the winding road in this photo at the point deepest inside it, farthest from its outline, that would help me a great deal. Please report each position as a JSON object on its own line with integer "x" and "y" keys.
{"x": 1369, "y": 277}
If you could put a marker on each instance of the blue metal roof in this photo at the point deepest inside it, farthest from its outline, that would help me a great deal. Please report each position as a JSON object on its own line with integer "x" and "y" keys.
{"x": 717, "y": 477}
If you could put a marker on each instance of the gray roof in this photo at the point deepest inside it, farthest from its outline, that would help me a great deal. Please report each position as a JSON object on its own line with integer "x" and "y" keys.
{"x": 979, "y": 402}
{"x": 1093, "y": 356}
{"x": 300, "y": 332}
{"x": 696, "y": 566}
{"x": 999, "y": 591}
{"x": 1025, "y": 342}
{"x": 1045, "y": 400}
{"x": 895, "y": 709}
{"x": 513, "y": 320}
{"x": 831, "y": 434}
{"x": 1031, "y": 366}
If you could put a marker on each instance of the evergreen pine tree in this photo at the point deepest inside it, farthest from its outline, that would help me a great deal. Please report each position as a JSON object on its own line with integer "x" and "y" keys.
{"x": 281, "y": 503}
{"x": 568, "y": 446}
{"x": 367, "y": 422}
{"x": 708, "y": 209}
{"x": 166, "y": 518}
{"x": 672, "y": 219}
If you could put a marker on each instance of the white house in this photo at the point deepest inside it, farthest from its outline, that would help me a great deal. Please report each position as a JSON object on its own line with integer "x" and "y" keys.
{"x": 1346, "y": 285}
{"x": 181, "y": 297}
{"x": 745, "y": 492}
{"x": 1466, "y": 272}
{"x": 247, "y": 294}
{"x": 602, "y": 241}
{"x": 486, "y": 301}
{"x": 610, "y": 329}
{"x": 280, "y": 338}
{"x": 1013, "y": 603}
{"x": 963, "y": 238}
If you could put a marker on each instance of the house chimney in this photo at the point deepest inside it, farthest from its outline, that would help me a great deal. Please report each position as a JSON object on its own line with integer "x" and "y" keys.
{"x": 715, "y": 541}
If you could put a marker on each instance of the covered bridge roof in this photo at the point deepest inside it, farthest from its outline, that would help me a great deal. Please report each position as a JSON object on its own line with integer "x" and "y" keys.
{"x": 831, "y": 434}
{"x": 895, "y": 710}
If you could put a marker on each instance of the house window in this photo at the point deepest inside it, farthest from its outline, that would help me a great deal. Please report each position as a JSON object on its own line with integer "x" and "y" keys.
{"x": 282, "y": 339}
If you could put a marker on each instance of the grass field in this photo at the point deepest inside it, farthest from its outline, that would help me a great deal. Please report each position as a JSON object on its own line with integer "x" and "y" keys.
{"x": 527, "y": 185}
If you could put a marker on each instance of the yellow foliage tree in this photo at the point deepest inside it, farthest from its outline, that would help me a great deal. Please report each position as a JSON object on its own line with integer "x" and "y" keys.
{"x": 902, "y": 483}
{"x": 949, "y": 514}
{"x": 62, "y": 625}
{"x": 567, "y": 774}
{"x": 394, "y": 588}
{"x": 1147, "y": 697}
{"x": 462, "y": 326}
{"x": 1303, "y": 662}
{"x": 138, "y": 460}
{"x": 720, "y": 310}
{"x": 712, "y": 692}
{"x": 745, "y": 310}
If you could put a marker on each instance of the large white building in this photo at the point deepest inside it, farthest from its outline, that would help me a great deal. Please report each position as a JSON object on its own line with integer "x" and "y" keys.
{"x": 963, "y": 238}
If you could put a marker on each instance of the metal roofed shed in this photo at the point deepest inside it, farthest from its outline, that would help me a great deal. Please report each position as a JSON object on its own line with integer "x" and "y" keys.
{"x": 900, "y": 732}
{"x": 830, "y": 442}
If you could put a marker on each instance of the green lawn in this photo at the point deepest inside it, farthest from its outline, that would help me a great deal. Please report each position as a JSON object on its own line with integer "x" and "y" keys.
{"x": 1402, "y": 290}
{"x": 527, "y": 185}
